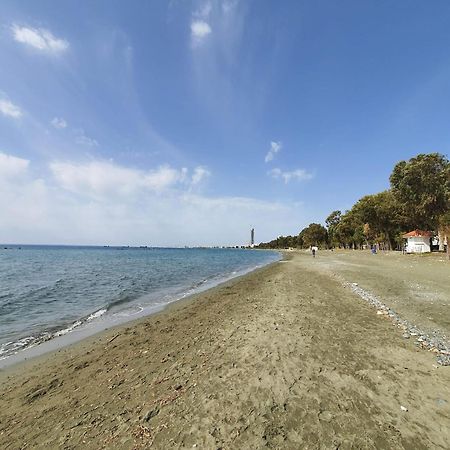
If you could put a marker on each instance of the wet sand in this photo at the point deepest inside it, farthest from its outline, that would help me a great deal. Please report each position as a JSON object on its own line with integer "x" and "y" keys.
{"x": 285, "y": 357}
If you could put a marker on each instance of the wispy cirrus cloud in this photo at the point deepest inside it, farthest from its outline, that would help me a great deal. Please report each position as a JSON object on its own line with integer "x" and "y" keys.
{"x": 204, "y": 10}
{"x": 82, "y": 139}
{"x": 9, "y": 109}
{"x": 200, "y": 24}
{"x": 39, "y": 39}
{"x": 229, "y": 5}
{"x": 200, "y": 174}
{"x": 287, "y": 176}
{"x": 58, "y": 123}
{"x": 275, "y": 147}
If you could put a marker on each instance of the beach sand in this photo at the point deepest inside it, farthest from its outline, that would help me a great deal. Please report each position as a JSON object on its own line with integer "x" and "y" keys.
{"x": 285, "y": 357}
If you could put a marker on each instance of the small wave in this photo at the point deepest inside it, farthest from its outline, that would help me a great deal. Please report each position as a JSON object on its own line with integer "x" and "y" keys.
{"x": 96, "y": 314}
{"x": 37, "y": 290}
{"x": 13, "y": 347}
{"x": 120, "y": 301}
{"x": 68, "y": 329}
{"x": 200, "y": 283}
{"x": 129, "y": 312}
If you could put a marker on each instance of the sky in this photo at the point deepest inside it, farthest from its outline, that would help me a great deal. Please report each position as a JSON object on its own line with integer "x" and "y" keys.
{"x": 172, "y": 123}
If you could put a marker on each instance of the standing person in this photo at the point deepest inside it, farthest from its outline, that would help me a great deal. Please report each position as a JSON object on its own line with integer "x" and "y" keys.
{"x": 314, "y": 250}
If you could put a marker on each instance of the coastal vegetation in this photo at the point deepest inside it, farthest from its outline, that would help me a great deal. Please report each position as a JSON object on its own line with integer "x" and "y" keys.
{"x": 418, "y": 198}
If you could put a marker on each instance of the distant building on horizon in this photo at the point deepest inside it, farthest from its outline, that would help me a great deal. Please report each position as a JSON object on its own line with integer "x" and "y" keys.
{"x": 252, "y": 237}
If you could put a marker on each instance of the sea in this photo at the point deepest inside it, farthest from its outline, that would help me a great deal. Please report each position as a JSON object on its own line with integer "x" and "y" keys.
{"x": 47, "y": 292}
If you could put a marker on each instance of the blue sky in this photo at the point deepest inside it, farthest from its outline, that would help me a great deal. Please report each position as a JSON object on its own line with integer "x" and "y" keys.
{"x": 189, "y": 122}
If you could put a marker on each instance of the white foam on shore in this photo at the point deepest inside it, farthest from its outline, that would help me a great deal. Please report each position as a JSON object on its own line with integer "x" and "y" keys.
{"x": 37, "y": 345}
{"x": 12, "y": 348}
{"x": 96, "y": 315}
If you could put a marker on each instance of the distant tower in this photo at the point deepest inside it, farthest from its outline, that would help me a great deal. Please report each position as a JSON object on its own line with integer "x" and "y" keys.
{"x": 252, "y": 237}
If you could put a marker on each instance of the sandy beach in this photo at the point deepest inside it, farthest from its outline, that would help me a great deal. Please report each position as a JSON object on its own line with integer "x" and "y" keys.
{"x": 287, "y": 357}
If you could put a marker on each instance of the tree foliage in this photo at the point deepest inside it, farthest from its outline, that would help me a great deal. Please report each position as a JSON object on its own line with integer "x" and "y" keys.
{"x": 332, "y": 222}
{"x": 419, "y": 198}
{"x": 421, "y": 186}
{"x": 314, "y": 234}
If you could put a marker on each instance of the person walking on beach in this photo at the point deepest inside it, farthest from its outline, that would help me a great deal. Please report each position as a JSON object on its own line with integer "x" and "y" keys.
{"x": 314, "y": 250}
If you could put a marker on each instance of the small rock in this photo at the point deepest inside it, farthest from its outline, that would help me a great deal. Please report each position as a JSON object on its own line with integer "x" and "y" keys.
{"x": 326, "y": 416}
{"x": 152, "y": 413}
{"x": 406, "y": 335}
{"x": 444, "y": 360}
{"x": 403, "y": 408}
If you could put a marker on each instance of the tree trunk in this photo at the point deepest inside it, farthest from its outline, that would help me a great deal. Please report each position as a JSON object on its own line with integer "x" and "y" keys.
{"x": 441, "y": 240}
{"x": 448, "y": 246}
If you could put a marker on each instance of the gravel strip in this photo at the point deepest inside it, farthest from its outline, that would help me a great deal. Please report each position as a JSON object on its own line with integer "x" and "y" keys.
{"x": 434, "y": 341}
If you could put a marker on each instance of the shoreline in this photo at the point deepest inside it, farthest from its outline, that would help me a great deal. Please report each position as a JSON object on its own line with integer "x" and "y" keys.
{"x": 76, "y": 336}
{"x": 284, "y": 357}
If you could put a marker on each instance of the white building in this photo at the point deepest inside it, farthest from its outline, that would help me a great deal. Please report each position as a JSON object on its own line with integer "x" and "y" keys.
{"x": 418, "y": 241}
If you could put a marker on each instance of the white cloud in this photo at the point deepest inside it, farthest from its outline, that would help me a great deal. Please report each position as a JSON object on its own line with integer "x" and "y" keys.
{"x": 200, "y": 173}
{"x": 100, "y": 179}
{"x": 10, "y": 109}
{"x": 12, "y": 166}
{"x": 59, "y": 122}
{"x": 101, "y": 202}
{"x": 94, "y": 179}
{"x": 39, "y": 38}
{"x": 298, "y": 174}
{"x": 199, "y": 30}
{"x": 275, "y": 147}
{"x": 163, "y": 178}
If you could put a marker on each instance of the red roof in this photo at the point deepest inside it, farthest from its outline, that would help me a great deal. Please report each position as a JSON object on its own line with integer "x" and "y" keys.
{"x": 418, "y": 233}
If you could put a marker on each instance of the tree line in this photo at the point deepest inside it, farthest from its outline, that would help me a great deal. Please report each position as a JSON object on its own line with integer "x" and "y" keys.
{"x": 418, "y": 198}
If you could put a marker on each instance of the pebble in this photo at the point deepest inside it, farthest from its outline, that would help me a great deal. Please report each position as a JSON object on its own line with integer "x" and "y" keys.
{"x": 444, "y": 360}
{"x": 152, "y": 413}
{"x": 428, "y": 341}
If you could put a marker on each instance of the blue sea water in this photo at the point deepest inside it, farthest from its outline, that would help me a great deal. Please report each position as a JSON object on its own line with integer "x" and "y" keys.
{"x": 49, "y": 291}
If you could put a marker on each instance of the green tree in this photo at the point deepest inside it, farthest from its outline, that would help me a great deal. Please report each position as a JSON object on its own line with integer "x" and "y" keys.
{"x": 381, "y": 214}
{"x": 421, "y": 185}
{"x": 314, "y": 234}
{"x": 350, "y": 230}
{"x": 332, "y": 221}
